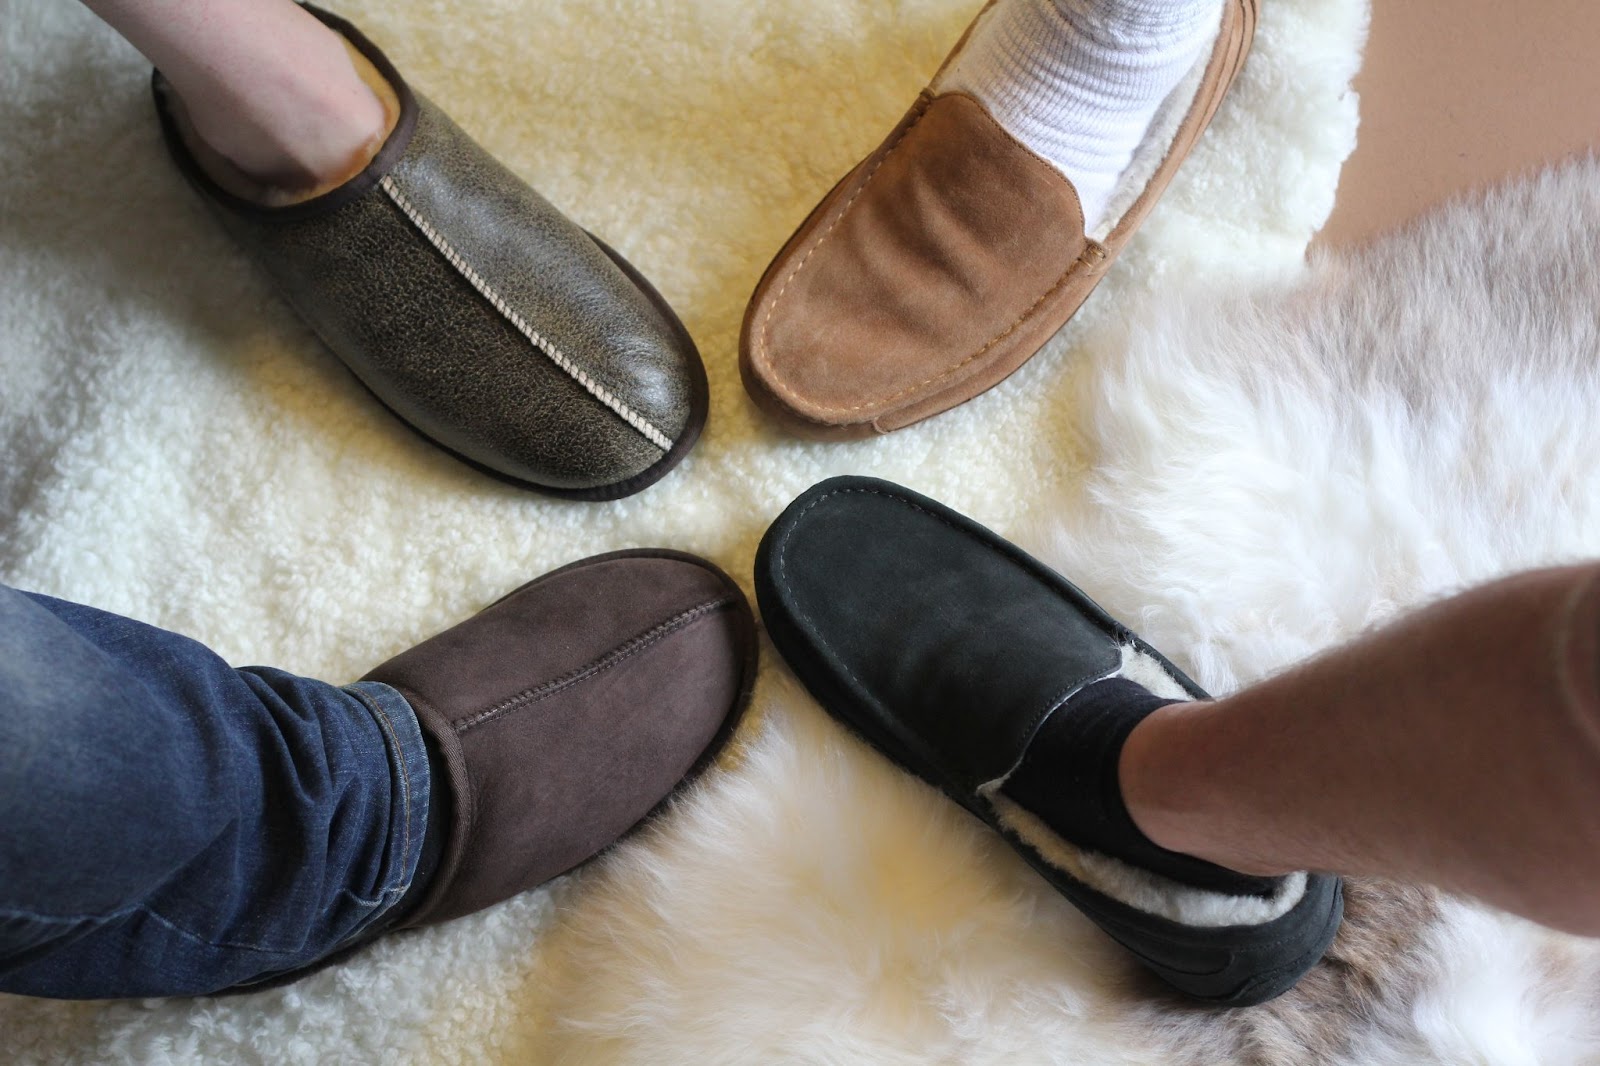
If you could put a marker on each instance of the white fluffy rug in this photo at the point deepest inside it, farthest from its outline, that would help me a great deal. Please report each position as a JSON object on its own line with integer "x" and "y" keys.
{"x": 1246, "y": 483}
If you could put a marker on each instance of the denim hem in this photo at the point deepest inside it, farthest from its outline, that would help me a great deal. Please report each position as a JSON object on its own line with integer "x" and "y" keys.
{"x": 408, "y": 765}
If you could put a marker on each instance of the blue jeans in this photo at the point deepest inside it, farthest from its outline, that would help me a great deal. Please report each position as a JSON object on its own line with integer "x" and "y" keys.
{"x": 170, "y": 825}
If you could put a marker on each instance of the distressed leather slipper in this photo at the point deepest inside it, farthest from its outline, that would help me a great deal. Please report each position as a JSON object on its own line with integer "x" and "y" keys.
{"x": 949, "y": 649}
{"x": 472, "y": 308}
{"x": 947, "y": 258}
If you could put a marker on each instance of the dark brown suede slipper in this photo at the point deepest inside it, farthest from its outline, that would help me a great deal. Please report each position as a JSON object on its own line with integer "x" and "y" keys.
{"x": 474, "y": 309}
{"x": 569, "y": 710}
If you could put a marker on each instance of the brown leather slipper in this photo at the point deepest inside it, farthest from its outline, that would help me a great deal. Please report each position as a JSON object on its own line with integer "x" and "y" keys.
{"x": 947, "y": 258}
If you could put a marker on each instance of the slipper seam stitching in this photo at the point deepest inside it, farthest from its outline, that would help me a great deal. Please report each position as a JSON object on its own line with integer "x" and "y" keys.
{"x": 1100, "y": 255}
{"x": 924, "y": 102}
{"x": 626, "y": 650}
{"x": 615, "y": 404}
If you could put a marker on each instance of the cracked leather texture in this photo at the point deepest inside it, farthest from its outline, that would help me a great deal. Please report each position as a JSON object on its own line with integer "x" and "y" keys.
{"x": 434, "y": 349}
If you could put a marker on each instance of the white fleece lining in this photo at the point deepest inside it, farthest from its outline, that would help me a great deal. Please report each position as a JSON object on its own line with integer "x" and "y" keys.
{"x": 1146, "y": 670}
{"x": 1157, "y": 142}
{"x": 1140, "y": 889}
{"x": 1153, "y": 148}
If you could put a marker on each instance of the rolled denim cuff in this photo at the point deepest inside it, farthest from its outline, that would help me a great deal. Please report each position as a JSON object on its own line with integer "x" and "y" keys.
{"x": 408, "y": 772}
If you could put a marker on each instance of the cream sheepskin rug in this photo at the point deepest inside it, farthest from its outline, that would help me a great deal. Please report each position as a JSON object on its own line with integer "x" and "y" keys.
{"x": 1247, "y": 480}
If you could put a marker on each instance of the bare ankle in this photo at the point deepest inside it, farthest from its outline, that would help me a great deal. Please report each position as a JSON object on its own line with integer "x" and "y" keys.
{"x": 1170, "y": 796}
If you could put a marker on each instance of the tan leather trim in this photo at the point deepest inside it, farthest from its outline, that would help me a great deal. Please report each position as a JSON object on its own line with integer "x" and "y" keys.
{"x": 966, "y": 35}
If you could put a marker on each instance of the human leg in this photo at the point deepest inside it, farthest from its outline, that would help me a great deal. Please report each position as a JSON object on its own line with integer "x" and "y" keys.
{"x": 181, "y": 827}
{"x": 176, "y": 826}
{"x": 1459, "y": 746}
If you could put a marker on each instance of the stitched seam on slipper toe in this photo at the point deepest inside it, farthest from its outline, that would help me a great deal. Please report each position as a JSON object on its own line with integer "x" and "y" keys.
{"x": 1092, "y": 256}
{"x": 626, "y": 650}
{"x": 762, "y": 339}
{"x": 611, "y": 400}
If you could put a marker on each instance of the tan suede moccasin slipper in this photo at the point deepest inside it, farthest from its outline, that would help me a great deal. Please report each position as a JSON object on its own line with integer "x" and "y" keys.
{"x": 948, "y": 257}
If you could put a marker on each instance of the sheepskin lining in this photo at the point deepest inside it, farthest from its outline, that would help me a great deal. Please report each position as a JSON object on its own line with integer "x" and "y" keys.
{"x": 1136, "y": 887}
{"x": 183, "y": 450}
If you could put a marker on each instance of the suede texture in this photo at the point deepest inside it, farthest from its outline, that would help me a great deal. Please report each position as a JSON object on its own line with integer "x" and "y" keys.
{"x": 411, "y": 323}
{"x": 940, "y": 264}
{"x": 935, "y": 240}
{"x": 570, "y": 709}
{"x": 946, "y": 647}
{"x": 924, "y": 621}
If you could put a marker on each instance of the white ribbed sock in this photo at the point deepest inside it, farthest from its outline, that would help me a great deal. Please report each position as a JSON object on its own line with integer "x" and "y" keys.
{"x": 1079, "y": 81}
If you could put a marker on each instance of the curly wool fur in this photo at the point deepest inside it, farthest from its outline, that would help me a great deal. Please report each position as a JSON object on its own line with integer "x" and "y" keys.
{"x": 182, "y": 450}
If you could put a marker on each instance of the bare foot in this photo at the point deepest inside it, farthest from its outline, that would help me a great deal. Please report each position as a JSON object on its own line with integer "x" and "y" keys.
{"x": 276, "y": 106}
{"x": 298, "y": 159}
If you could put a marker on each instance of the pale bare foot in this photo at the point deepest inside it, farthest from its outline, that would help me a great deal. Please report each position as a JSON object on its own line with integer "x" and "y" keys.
{"x": 276, "y": 106}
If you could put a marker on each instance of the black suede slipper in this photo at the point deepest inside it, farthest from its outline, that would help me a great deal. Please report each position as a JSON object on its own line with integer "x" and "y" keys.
{"x": 946, "y": 648}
